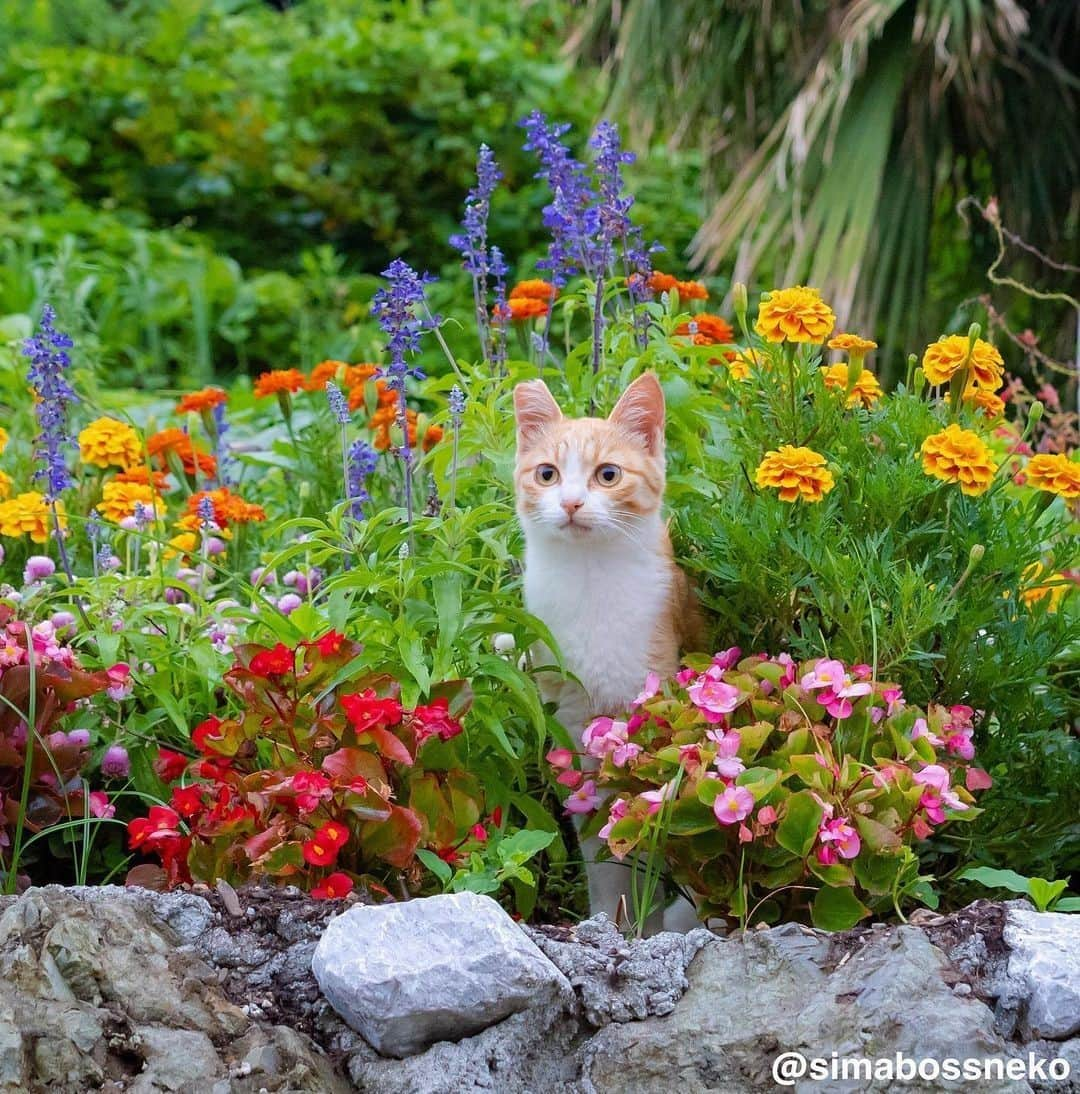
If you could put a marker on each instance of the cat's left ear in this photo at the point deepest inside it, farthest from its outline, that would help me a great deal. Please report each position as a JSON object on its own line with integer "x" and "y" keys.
{"x": 535, "y": 409}
{"x": 640, "y": 411}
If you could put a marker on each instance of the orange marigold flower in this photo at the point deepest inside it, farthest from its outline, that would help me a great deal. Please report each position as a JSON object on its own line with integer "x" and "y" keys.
{"x": 29, "y": 514}
{"x": 535, "y": 288}
{"x": 381, "y": 422}
{"x": 687, "y": 290}
{"x": 279, "y": 380}
{"x": 710, "y": 330}
{"x": 142, "y": 474}
{"x": 866, "y": 389}
{"x": 944, "y": 358}
{"x": 107, "y": 442}
{"x": 852, "y": 343}
{"x": 960, "y": 456}
{"x": 794, "y": 315}
{"x": 322, "y": 373}
{"x": 525, "y": 307}
{"x": 118, "y": 500}
{"x": 198, "y": 401}
{"x": 229, "y": 508}
{"x": 176, "y": 440}
{"x": 1057, "y": 474}
{"x": 989, "y": 404}
{"x": 798, "y": 473}
{"x": 432, "y": 435}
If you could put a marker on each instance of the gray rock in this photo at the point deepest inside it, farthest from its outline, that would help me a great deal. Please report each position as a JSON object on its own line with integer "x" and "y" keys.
{"x": 442, "y": 968}
{"x": 176, "y": 1060}
{"x": 1045, "y": 959}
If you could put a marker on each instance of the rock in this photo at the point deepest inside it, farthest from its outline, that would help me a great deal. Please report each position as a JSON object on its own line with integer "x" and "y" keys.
{"x": 755, "y": 996}
{"x": 441, "y": 968}
{"x": 176, "y": 1060}
{"x": 1045, "y": 958}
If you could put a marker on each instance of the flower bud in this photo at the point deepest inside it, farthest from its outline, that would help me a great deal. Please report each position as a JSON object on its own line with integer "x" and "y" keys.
{"x": 974, "y": 331}
{"x": 1035, "y": 413}
{"x": 975, "y": 555}
{"x": 739, "y": 301}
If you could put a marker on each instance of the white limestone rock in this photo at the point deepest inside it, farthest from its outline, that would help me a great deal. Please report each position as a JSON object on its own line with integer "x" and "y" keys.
{"x": 1045, "y": 957}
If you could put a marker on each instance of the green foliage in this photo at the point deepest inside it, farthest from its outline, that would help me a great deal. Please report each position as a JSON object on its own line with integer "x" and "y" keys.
{"x": 1047, "y": 896}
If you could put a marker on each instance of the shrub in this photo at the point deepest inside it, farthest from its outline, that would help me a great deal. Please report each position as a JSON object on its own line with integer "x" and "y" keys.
{"x": 776, "y": 790}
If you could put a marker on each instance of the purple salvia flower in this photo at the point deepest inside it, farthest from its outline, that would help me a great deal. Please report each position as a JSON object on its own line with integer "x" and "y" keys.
{"x": 500, "y": 316}
{"x": 221, "y": 449}
{"x": 206, "y": 512}
{"x": 338, "y": 405}
{"x": 472, "y": 240}
{"x": 49, "y": 361}
{"x": 142, "y": 515}
{"x": 361, "y": 463}
{"x": 457, "y": 401}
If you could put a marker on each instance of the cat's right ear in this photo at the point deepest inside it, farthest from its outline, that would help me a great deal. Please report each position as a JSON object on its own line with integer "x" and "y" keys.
{"x": 535, "y": 410}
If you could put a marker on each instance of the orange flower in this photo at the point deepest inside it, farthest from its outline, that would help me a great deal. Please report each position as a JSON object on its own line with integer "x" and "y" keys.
{"x": 958, "y": 455}
{"x": 687, "y": 290}
{"x": 176, "y": 440}
{"x": 711, "y": 330}
{"x": 1057, "y": 474}
{"x": 1055, "y": 590}
{"x": 145, "y": 477}
{"x": 279, "y": 380}
{"x": 943, "y": 359}
{"x": 199, "y": 401}
{"x": 852, "y": 343}
{"x": 739, "y": 364}
{"x": 383, "y": 420}
{"x": 432, "y": 435}
{"x": 522, "y": 308}
{"x": 534, "y": 289}
{"x": 798, "y": 473}
{"x": 865, "y": 390}
{"x": 118, "y": 500}
{"x": 987, "y": 402}
{"x": 794, "y": 315}
{"x": 359, "y": 374}
{"x": 229, "y": 508}
{"x": 323, "y": 372}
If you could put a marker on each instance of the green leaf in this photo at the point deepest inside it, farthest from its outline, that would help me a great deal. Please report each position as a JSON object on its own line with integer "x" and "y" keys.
{"x": 1068, "y": 904}
{"x": 997, "y": 879}
{"x": 798, "y": 828}
{"x": 436, "y": 865}
{"x": 1044, "y": 892}
{"x": 837, "y": 909}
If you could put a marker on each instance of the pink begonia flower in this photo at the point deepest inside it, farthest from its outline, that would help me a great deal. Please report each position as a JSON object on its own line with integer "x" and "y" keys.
{"x": 602, "y": 736}
{"x": 843, "y": 835}
{"x": 733, "y": 805}
{"x": 835, "y": 687}
{"x": 560, "y": 758}
{"x": 690, "y": 756}
{"x": 623, "y": 753}
{"x": 827, "y": 808}
{"x": 727, "y": 659}
{"x": 826, "y": 855}
{"x": 766, "y": 815}
{"x": 921, "y": 729}
{"x": 862, "y": 672}
{"x": 960, "y": 743}
{"x": 745, "y": 835}
{"x": 930, "y": 803}
{"x": 119, "y": 681}
{"x": 936, "y": 778}
{"x": 894, "y": 699}
{"x": 100, "y": 805}
{"x": 583, "y": 800}
{"x": 713, "y": 698}
{"x": 635, "y": 722}
{"x": 11, "y": 653}
{"x": 825, "y": 674}
{"x": 920, "y": 827}
{"x": 619, "y": 809}
{"x": 961, "y": 715}
{"x": 788, "y": 676}
{"x": 684, "y": 676}
{"x": 571, "y": 777}
{"x": 765, "y": 687}
{"x": 977, "y": 779}
{"x": 729, "y": 767}
{"x": 727, "y": 741}
{"x": 652, "y": 686}
{"x": 656, "y": 798}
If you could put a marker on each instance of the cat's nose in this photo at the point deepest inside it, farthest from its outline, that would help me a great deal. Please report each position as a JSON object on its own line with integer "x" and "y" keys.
{"x": 572, "y": 505}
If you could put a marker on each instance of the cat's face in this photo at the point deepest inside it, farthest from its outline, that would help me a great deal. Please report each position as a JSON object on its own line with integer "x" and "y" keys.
{"x": 589, "y": 478}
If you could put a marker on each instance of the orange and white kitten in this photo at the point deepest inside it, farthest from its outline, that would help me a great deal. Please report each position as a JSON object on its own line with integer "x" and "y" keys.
{"x": 599, "y": 570}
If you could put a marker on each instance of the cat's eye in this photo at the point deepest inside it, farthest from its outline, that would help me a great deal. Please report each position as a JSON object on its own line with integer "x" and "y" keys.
{"x": 608, "y": 474}
{"x": 547, "y": 474}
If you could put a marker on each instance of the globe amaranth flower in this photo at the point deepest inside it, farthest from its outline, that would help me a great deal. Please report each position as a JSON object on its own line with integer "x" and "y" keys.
{"x": 797, "y": 314}
{"x": 115, "y": 764}
{"x": 49, "y": 361}
{"x": 799, "y": 474}
{"x": 29, "y": 515}
{"x": 866, "y": 389}
{"x": 38, "y": 568}
{"x": 1056, "y": 474}
{"x": 944, "y": 358}
{"x": 107, "y": 442}
{"x": 960, "y": 456}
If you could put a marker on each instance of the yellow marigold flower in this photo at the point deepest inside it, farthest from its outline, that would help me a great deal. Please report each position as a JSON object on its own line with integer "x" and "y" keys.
{"x": 5, "y": 485}
{"x": 852, "y": 343}
{"x": 866, "y": 389}
{"x": 29, "y": 515}
{"x": 118, "y": 500}
{"x": 1056, "y": 591}
{"x": 1057, "y": 474}
{"x": 987, "y": 402}
{"x": 107, "y": 442}
{"x": 958, "y": 455}
{"x": 186, "y": 543}
{"x": 795, "y": 315}
{"x": 943, "y": 359}
{"x": 3, "y": 438}
{"x": 739, "y": 364}
{"x": 798, "y": 473}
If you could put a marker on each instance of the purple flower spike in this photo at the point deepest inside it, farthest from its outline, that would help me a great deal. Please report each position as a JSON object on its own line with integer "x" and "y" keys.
{"x": 49, "y": 361}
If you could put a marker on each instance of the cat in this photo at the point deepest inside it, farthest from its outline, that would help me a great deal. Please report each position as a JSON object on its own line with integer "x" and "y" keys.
{"x": 599, "y": 568}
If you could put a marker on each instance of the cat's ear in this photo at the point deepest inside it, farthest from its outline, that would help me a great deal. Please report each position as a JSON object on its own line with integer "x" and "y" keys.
{"x": 640, "y": 411}
{"x": 535, "y": 409}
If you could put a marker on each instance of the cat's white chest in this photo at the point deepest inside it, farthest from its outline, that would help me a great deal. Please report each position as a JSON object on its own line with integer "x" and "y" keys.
{"x": 602, "y": 606}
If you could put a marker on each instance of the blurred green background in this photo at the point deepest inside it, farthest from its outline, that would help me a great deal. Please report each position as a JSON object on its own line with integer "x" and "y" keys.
{"x": 207, "y": 187}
